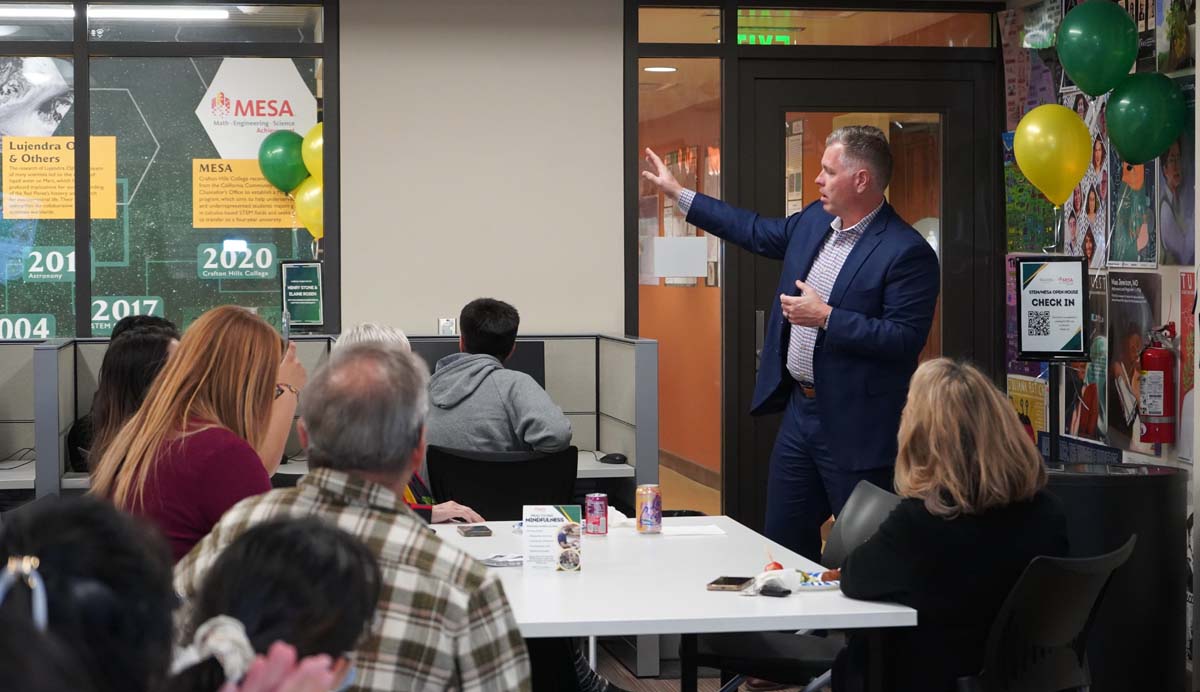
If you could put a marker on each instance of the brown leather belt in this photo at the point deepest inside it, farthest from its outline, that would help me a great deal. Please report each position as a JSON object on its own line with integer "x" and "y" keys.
{"x": 808, "y": 389}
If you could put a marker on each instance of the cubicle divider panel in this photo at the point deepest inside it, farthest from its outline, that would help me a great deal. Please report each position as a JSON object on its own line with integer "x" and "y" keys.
{"x": 53, "y": 399}
{"x": 628, "y": 396}
{"x": 570, "y": 365}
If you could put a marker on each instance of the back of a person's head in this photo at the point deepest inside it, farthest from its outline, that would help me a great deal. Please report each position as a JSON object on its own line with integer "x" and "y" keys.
{"x": 299, "y": 581}
{"x": 222, "y": 372}
{"x": 108, "y": 588}
{"x": 33, "y": 661}
{"x": 131, "y": 323}
{"x": 368, "y": 332}
{"x": 962, "y": 448}
{"x": 489, "y": 327}
{"x": 130, "y": 365}
{"x": 364, "y": 409}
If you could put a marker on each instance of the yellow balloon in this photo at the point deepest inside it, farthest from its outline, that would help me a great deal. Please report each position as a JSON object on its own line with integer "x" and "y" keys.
{"x": 1053, "y": 149}
{"x": 310, "y": 206}
{"x": 313, "y": 150}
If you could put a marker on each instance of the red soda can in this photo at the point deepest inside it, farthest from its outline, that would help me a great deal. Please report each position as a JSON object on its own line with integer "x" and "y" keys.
{"x": 596, "y": 522}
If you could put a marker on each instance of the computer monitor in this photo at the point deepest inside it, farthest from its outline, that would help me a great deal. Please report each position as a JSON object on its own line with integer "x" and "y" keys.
{"x": 529, "y": 356}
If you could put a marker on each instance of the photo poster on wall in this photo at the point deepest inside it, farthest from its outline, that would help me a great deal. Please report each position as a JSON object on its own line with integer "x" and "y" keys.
{"x": 1177, "y": 189}
{"x": 1133, "y": 241}
{"x": 1187, "y": 365}
{"x": 1134, "y": 308}
{"x": 712, "y": 188}
{"x": 1027, "y": 41}
{"x": 1086, "y": 213}
{"x": 684, "y": 164}
{"x": 1143, "y": 12}
{"x": 1175, "y": 22}
{"x": 1028, "y": 215}
{"x": 1012, "y": 320}
{"x": 1030, "y": 398}
{"x": 1085, "y": 384}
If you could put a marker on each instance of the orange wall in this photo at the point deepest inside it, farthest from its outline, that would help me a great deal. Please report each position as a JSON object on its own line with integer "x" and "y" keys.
{"x": 686, "y": 322}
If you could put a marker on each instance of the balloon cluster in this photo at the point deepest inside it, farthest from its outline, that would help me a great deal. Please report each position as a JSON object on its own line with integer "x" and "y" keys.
{"x": 1097, "y": 46}
{"x": 294, "y": 164}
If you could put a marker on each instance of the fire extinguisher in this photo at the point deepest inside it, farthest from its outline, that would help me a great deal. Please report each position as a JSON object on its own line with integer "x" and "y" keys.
{"x": 1156, "y": 398}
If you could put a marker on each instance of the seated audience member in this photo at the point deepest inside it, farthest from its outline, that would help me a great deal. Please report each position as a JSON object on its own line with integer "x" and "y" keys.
{"x": 34, "y": 661}
{"x": 124, "y": 378}
{"x": 417, "y": 494}
{"x": 299, "y": 581}
{"x": 480, "y": 405}
{"x": 974, "y": 514}
{"x": 188, "y": 454}
{"x": 444, "y": 620}
{"x": 130, "y": 365}
{"x": 107, "y": 585}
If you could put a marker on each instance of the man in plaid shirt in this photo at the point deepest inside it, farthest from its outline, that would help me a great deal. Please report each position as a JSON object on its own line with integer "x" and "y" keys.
{"x": 443, "y": 622}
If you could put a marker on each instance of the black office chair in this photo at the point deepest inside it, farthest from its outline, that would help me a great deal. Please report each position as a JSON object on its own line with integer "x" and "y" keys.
{"x": 498, "y": 484}
{"x": 786, "y": 657}
{"x": 1038, "y": 641}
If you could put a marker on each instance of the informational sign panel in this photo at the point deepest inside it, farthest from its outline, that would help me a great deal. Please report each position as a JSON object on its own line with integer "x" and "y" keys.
{"x": 1052, "y": 308}
{"x": 39, "y": 177}
{"x": 232, "y": 193}
{"x": 302, "y": 294}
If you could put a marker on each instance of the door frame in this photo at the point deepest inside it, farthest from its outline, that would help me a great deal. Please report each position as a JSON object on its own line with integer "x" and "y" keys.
{"x": 972, "y": 245}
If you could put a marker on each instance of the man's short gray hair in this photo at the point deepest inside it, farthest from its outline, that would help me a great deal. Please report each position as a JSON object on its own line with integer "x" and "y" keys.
{"x": 372, "y": 331}
{"x": 365, "y": 408}
{"x": 868, "y": 146}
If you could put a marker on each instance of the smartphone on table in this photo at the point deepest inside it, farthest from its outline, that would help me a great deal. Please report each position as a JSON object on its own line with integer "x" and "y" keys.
{"x": 474, "y": 530}
{"x": 729, "y": 583}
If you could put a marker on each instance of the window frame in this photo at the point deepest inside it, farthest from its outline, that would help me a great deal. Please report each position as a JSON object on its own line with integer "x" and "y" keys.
{"x": 81, "y": 49}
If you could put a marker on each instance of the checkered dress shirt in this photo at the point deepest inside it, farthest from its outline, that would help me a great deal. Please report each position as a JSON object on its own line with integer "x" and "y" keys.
{"x": 443, "y": 622}
{"x": 822, "y": 275}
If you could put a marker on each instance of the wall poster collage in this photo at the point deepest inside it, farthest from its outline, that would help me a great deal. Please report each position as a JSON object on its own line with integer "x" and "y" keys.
{"x": 1134, "y": 224}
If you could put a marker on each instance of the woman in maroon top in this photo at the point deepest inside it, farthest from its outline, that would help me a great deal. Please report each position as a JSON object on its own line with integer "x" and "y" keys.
{"x": 188, "y": 454}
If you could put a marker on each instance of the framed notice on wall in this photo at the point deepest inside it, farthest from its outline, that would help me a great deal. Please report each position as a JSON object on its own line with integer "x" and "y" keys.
{"x": 303, "y": 297}
{"x": 1052, "y": 308}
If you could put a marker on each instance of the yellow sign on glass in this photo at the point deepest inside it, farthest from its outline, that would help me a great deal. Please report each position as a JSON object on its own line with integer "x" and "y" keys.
{"x": 232, "y": 193}
{"x": 39, "y": 177}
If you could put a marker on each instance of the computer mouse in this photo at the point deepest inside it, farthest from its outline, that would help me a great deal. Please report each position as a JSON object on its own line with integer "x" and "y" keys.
{"x": 613, "y": 459}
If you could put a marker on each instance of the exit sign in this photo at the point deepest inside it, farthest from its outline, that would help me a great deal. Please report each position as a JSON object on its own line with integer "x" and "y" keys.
{"x": 764, "y": 39}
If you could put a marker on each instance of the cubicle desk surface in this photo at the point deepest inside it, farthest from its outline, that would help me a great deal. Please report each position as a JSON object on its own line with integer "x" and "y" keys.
{"x": 589, "y": 467}
{"x": 20, "y": 478}
{"x": 635, "y": 584}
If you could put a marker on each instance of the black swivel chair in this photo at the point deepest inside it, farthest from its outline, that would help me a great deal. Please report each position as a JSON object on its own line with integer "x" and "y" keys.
{"x": 791, "y": 658}
{"x": 1038, "y": 641}
{"x": 498, "y": 484}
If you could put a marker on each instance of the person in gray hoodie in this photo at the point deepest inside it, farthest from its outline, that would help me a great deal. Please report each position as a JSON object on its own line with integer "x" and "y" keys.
{"x": 478, "y": 404}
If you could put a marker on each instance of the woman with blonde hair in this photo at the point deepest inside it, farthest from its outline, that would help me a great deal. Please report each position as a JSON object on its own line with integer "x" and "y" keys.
{"x": 974, "y": 513}
{"x": 189, "y": 453}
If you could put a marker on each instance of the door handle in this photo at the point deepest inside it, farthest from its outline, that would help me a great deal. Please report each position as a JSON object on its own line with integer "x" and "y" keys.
{"x": 760, "y": 323}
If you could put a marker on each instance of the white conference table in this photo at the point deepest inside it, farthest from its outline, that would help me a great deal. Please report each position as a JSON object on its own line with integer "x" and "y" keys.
{"x": 634, "y": 584}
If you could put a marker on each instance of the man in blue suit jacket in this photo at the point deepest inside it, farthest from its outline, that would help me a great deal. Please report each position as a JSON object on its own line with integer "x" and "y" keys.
{"x": 857, "y": 296}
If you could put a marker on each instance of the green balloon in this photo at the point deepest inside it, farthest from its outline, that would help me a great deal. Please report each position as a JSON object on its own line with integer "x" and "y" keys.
{"x": 281, "y": 160}
{"x": 1097, "y": 45}
{"x": 1146, "y": 112}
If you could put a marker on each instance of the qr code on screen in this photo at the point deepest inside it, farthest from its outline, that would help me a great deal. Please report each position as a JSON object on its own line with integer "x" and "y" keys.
{"x": 1039, "y": 323}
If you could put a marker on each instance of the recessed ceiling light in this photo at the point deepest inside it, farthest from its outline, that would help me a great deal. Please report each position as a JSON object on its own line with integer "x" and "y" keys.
{"x": 660, "y": 69}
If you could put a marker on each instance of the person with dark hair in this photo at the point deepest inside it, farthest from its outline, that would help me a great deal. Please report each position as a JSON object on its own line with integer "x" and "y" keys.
{"x": 131, "y": 323}
{"x": 125, "y": 374}
{"x": 300, "y": 581}
{"x": 130, "y": 365}
{"x": 478, "y": 404}
{"x": 107, "y": 587}
{"x": 34, "y": 661}
{"x": 444, "y": 621}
